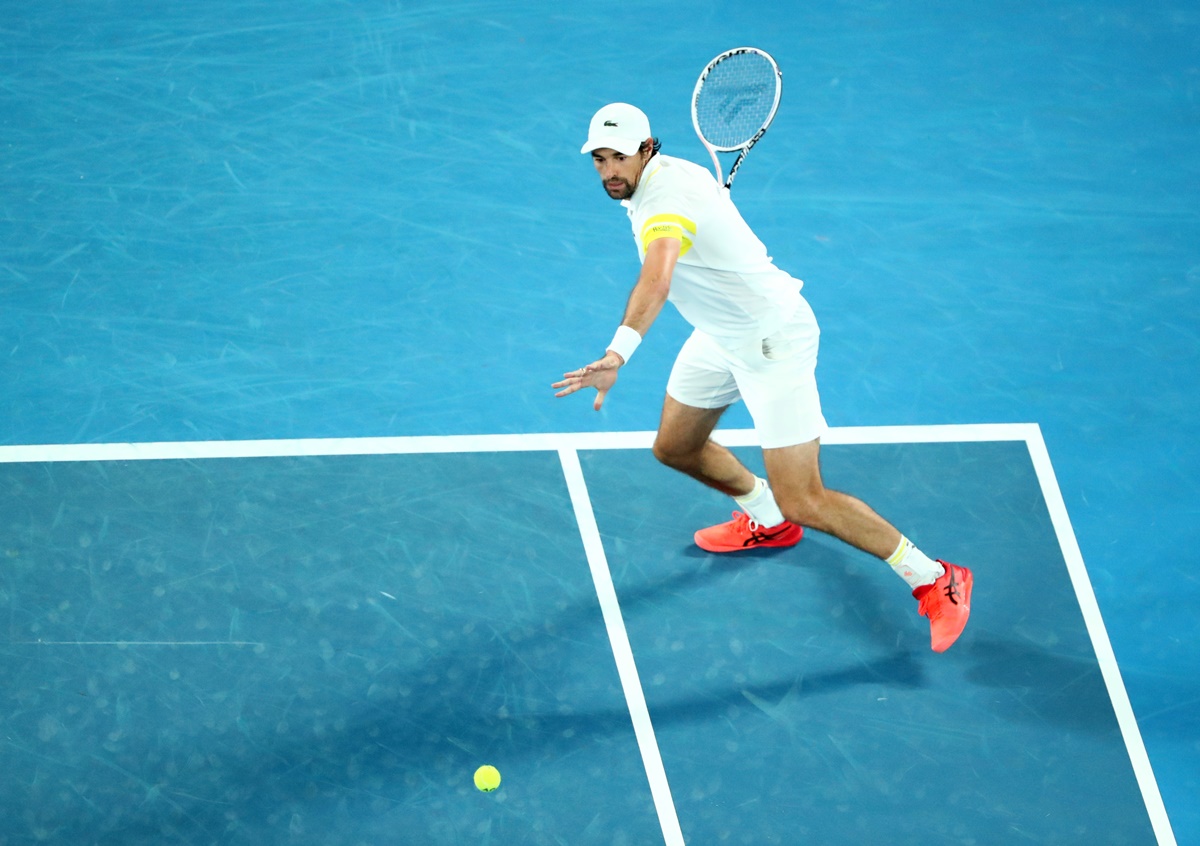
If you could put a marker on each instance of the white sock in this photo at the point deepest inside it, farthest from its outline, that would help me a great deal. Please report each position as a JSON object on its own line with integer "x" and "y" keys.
{"x": 760, "y": 505}
{"x": 913, "y": 565}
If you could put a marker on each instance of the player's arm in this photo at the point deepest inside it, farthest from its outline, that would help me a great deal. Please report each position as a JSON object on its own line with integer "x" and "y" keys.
{"x": 648, "y": 296}
{"x": 645, "y": 302}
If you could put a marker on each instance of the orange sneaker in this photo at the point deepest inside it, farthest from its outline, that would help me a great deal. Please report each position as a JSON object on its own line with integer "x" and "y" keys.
{"x": 947, "y": 604}
{"x": 743, "y": 533}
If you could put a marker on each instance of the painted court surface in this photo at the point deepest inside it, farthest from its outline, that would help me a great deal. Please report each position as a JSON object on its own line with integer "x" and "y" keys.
{"x": 224, "y": 641}
{"x": 288, "y": 550}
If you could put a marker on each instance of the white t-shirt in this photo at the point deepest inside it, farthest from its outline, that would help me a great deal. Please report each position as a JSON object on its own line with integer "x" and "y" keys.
{"x": 724, "y": 283}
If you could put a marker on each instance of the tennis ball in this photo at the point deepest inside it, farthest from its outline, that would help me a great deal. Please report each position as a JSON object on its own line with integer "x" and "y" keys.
{"x": 487, "y": 778}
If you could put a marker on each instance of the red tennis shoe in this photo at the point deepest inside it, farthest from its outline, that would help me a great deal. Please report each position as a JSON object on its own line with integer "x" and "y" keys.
{"x": 947, "y": 604}
{"x": 743, "y": 533}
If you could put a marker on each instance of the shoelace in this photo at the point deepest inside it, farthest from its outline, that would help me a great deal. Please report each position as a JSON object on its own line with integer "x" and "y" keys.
{"x": 741, "y": 518}
{"x": 930, "y": 601}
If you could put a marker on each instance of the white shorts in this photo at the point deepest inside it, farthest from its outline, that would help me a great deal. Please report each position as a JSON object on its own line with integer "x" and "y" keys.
{"x": 775, "y": 376}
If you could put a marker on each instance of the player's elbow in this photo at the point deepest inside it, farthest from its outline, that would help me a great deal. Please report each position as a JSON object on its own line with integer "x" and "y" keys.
{"x": 657, "y": 285}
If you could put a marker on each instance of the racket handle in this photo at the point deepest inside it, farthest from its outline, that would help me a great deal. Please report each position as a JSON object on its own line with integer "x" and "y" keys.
{"x": 733, "y": 170}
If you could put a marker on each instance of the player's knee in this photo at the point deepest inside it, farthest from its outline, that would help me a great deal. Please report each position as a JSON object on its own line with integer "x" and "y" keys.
{"x": 672, "y": 454}
{"x": 665, "y": 454}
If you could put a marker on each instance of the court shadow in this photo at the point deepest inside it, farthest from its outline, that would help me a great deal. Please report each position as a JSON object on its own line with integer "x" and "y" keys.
{"x": 1036, "y": 685}
{"x": 774, "y": 699}
{"x": 900, "y": 669}
{"x": 857, "y": 594}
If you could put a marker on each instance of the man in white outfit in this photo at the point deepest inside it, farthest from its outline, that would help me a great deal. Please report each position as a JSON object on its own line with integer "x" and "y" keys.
{"x": 754, "y": 338}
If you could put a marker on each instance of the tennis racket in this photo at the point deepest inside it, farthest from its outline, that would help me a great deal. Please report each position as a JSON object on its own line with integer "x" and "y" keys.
{"x": 735, "y": 100}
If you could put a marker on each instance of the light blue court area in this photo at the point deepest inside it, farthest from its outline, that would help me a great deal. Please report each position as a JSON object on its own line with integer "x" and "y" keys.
{"x": 317, "y": 642}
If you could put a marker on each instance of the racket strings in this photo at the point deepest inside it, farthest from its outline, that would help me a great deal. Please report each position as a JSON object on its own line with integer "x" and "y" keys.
{"x": 735, "y": 99}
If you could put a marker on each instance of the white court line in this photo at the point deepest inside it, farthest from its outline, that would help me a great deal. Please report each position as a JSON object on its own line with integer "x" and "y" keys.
{"x": 549, "y": 442}
{"x": 566, "y": 444}
{"x": 1105, "y": 656}
{"x": 635, "y": 698}
{"x": 126, "y": 643}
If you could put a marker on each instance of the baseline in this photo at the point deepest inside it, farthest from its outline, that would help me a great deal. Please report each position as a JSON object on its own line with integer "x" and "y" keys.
{"x": 433, "y": 444}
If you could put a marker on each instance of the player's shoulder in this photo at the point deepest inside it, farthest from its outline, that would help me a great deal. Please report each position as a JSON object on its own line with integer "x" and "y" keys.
{"x": 682, "y": 169}
{"x": 678, "y": 177}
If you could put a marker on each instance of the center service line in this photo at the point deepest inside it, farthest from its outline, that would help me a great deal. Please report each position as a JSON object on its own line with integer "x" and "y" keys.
{"x": 660, "y": 790}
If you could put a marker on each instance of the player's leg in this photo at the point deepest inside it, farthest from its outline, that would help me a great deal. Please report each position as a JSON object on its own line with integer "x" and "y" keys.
{"x": 699, "y": 390}
{"x": 778, "y": 385}
{"x": 794, "y": 473}
{"x": 942, "y": 589}
{"x": 684, "y": 443}
{"x": 701, "y": 387}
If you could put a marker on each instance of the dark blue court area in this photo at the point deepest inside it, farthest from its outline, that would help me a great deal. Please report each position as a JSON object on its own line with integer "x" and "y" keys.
{"x": 344, "y": 660}
{"x": 294, "y": 649}
{"x": 263, "y": 265}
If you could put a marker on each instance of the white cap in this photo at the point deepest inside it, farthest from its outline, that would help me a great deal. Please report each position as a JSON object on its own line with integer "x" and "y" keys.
{"x": 618, "y": 126}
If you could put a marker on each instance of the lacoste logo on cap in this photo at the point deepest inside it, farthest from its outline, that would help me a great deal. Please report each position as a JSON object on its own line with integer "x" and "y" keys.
{"x": 610, "y": 123}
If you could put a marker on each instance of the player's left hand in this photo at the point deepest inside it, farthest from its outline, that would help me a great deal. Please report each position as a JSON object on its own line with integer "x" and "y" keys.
{"x": 601, "y": 375}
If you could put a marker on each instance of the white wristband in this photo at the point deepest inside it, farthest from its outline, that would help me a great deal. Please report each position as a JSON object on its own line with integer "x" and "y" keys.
{"x": 625, "y": 342}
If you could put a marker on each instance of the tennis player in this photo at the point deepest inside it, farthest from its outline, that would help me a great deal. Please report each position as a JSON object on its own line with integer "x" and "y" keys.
{"x": 754, "y": 338}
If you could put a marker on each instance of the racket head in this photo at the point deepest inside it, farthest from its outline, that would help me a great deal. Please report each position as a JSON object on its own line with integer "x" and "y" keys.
{"x": 736, "y": 98}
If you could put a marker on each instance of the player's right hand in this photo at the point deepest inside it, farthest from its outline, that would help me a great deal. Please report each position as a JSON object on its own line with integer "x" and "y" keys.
{"x": 601, "y": 375}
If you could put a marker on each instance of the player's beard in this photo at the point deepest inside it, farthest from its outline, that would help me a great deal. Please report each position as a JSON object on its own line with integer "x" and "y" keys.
{"x": 624, "y": 190}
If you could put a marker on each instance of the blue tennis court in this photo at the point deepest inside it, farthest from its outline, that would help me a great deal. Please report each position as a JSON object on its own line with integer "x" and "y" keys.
{"x": 225, "y": 646}
{"x": 296, "y": 535}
